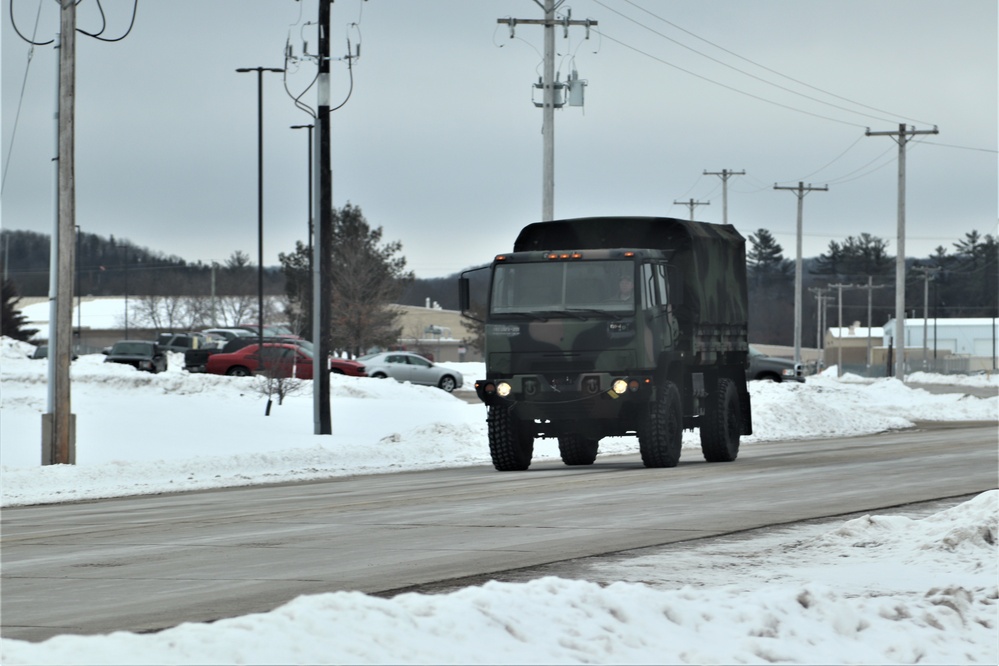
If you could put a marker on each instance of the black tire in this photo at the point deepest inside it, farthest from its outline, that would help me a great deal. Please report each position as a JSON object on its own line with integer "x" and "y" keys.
{"x": 510, "y": 447}
{"x": 722, "y": 424}
{"x": 447, "y": 383}
{"x": 660, "y": 435}
{"x": 577, "y": 450}
{"x": 238, "y": 371}
{"x": 336, "y": 371}
{"x": 380, "y": 375}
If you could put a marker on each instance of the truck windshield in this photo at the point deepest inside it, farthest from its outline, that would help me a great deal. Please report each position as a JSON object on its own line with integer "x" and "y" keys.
{"x": 553, "y": 286}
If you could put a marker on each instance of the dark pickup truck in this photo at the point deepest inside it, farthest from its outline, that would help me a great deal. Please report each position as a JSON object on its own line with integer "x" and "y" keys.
{"x": 772, "y": 368}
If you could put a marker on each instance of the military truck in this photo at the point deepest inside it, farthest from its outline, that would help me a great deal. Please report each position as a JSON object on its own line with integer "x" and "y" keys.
{"x": 608, "y": 326}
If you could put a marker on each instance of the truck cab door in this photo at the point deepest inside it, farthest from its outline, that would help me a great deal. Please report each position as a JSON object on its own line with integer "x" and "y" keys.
{"x": 656, "y": 306}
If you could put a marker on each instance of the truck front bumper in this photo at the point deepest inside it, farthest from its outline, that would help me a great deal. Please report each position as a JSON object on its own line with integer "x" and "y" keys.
{"x": 587, "y": 395}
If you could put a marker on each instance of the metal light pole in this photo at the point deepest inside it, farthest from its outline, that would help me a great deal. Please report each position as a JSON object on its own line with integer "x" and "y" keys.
{"x": 309, "y": 281}
{"x": 260, "y": 192}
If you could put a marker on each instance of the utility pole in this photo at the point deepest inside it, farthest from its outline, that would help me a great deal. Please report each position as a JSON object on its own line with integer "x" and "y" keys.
{"x": 901, "y": 136}
{"x": 59, "y": 423}
{"x": 839, "y": 347}
{"x": 323, "y": 250}
{"x": 549, "y": 86}
{"x": 870, "y": 287}
{"x": 820, "y": 320}
{"x": 928, "y": 273}
{"x": 311, "y": 224}
{"x": 725, "y": 174}
{"x": 800, "y": 191}
{"x": 691, "y": 204}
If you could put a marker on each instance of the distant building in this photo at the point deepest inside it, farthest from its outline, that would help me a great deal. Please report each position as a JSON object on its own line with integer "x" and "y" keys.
{"x": 965, "y": 344}
{"x": 959, "y": 345}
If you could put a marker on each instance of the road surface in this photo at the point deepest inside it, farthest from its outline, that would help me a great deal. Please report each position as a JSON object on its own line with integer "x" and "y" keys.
{"x": 146, "y": 563}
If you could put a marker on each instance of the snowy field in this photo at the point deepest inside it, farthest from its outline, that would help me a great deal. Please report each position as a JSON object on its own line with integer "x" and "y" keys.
{"x": 877, "y": 589}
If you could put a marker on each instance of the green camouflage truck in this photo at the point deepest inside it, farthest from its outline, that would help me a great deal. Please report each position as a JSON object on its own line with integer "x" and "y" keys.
{"x": 608, "y": 326}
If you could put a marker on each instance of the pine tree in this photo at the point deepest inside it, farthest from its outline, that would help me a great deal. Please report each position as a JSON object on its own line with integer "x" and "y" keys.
{"x": 12, "y": 320}
{"x": 367, "y": 277}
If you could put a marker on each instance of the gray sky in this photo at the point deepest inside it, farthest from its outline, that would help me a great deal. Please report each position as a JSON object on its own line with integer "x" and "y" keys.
{"x": 440, "y": 143}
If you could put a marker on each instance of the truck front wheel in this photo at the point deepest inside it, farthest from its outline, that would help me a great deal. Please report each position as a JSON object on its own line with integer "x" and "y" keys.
{"x": 722, "y": 424}
{"x": 577, "y": 450}
{"x": 660, "y": 435}
{"x": 510, "y": 447}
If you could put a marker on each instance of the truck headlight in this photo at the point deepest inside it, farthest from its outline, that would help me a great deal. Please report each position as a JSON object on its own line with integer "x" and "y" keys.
{"x": 619, "y": 386}
{"x": 503, "y": 389}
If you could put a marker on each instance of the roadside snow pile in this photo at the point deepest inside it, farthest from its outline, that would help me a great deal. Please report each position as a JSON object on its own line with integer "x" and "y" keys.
{"x": 140, "y": 433}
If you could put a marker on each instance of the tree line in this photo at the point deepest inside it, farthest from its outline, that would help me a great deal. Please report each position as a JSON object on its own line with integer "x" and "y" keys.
{"x": 369, "y": 274}
{"x": 947, "y": 284}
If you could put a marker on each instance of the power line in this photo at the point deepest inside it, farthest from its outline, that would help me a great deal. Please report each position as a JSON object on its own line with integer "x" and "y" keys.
{"x": 756, "y": 64}
{"x": 723, "y": 85}
{"x": 24, "y": 84}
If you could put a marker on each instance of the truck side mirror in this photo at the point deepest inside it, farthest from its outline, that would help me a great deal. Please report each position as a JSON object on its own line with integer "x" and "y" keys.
{"x": 675, "y": 277}
{"x": 463, "y": 298}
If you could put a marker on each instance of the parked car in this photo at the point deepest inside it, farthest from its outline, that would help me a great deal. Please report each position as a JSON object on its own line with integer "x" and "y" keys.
{"x": 141, "y": 354}
{"x": 270, "y": 331}
{"x": 772, "y": 368}
{"x": 181, "y": 342}
{"x": 228, "y": 334}
{"x": 280, "y": 359}
{"x": 346, "y": 366}
{"x": 42, "y": 351}
{"x": 410, "y": 367}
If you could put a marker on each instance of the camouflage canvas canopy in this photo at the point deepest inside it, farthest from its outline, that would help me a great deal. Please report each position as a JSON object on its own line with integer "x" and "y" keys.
{"x": 711, "y": 257}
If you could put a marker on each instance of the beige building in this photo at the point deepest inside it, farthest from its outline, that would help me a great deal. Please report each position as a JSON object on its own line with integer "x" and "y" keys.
{"x": 443, "y": 335}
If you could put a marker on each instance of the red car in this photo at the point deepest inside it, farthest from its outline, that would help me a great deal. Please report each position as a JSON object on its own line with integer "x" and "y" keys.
{"x": 343, "y": 366}
{"x": 280, "y": 359}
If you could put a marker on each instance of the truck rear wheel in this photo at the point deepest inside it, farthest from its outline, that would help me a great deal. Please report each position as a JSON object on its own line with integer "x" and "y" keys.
{"x": 660, "y": 435}
{"x": 722, "y": 425}
{"x": 577, "y": 450}
{"x": 510, "y": 447}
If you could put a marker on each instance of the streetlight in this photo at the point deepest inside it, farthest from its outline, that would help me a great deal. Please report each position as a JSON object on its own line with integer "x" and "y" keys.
{"x": 260, "y": 191}
{"x": 309, "y": 280}
{"x": 79, "y": 293}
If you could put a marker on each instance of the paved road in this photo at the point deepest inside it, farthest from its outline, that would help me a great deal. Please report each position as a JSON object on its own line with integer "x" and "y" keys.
{"x": 151, "y": 562}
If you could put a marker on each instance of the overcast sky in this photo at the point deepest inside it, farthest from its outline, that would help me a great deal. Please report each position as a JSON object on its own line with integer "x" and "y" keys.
{"x": 440, "y": 144}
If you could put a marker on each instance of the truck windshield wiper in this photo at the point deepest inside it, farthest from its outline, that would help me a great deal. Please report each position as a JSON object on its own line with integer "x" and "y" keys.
{"x": 525, "y": 315}
{"x": 579, "y": 312}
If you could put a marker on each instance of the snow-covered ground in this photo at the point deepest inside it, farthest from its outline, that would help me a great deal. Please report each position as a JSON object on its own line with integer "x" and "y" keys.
{"x": 877, "y": 589}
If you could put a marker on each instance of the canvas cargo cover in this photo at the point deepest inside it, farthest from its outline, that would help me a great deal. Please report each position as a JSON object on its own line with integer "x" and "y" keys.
{"x": 711, "y": 257}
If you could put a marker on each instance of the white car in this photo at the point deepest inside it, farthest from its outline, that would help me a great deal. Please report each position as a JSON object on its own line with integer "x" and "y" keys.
{"x": 410, "y": 367}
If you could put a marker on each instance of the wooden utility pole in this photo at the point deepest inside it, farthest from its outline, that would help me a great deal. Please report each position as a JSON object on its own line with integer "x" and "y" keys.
{"x": 725, "y": 174}
{"x": 59, "y": 424}
{"x": 820, "y": 323}
{"x": 901, "y": 136}
{"x": 549, "y": 102}
{"x": 870, "y": 287}
{"x": 691, "y": 204}
{"x": 322, "y": 260}
{"x": 928, "y": 273}
{"x": 800, "y": 191}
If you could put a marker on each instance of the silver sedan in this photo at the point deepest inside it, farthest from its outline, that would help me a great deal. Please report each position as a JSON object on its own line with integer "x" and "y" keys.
{"x": 410, "y": 367}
